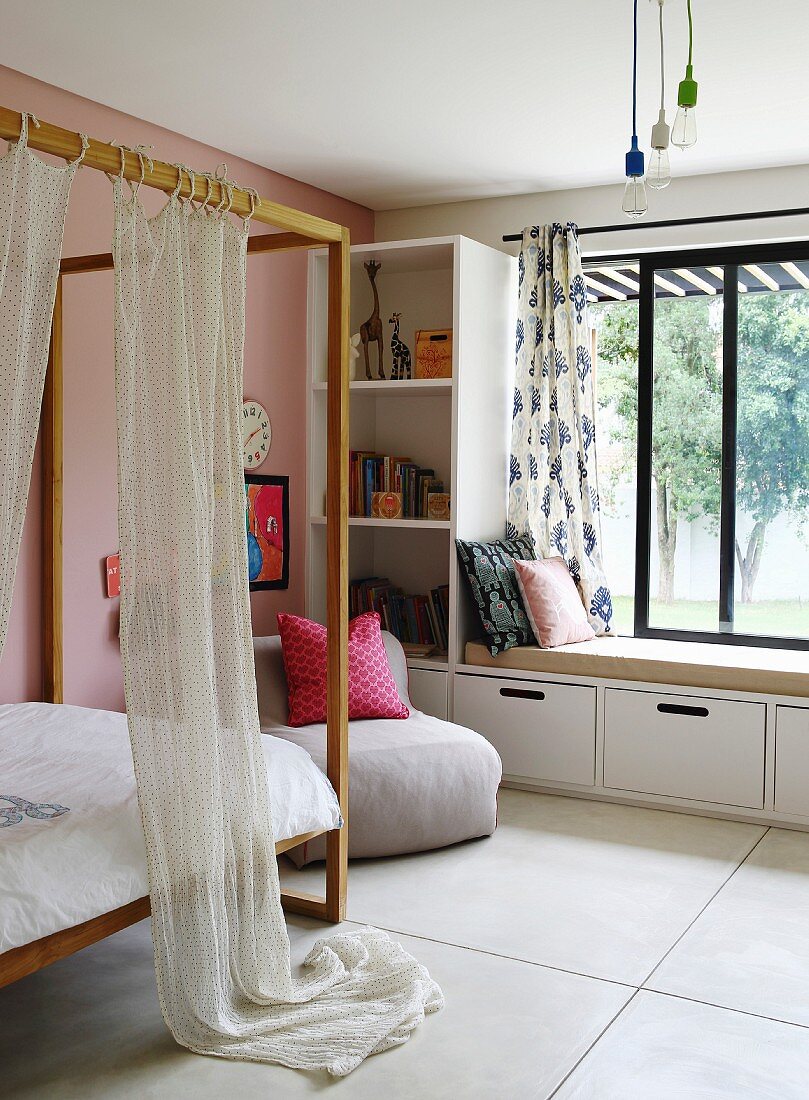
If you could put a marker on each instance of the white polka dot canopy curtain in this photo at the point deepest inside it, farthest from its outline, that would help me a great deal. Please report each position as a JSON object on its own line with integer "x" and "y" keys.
{"x": 553, "y": 478}
{"x": 33, "y": 203}
{"x": 221, "y": 947}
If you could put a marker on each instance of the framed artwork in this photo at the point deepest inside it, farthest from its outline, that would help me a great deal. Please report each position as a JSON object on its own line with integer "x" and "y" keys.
{"x": 267, "y": 517}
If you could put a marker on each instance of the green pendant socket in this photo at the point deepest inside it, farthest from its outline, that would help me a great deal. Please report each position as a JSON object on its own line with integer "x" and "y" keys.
{"x": 687, "y": 91}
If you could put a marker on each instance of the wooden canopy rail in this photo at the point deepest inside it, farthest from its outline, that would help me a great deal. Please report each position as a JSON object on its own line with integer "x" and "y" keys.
{"x": 297, "y": 230}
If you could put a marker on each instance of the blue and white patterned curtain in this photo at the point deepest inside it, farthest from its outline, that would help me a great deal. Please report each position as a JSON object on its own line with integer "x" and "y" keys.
{"x": 553, "y": 482}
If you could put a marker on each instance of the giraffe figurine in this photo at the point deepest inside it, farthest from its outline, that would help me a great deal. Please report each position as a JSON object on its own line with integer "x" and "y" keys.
{"x": 371, "y": 330}
{"x": 400, "y": 352}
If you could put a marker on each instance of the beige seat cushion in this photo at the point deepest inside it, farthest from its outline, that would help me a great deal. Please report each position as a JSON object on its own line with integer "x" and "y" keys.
{"x": 415, "y": 784}
{"x": 658, "y": 661}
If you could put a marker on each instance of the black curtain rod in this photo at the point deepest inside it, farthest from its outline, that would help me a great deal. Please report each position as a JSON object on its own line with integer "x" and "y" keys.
{"x": 751, "y": 215}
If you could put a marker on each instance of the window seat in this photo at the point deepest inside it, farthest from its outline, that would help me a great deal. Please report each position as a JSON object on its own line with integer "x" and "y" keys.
{"x": 659, "y": 661}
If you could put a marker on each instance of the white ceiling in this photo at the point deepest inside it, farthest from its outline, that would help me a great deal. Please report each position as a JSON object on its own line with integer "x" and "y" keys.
{"x": 422, "y": 101}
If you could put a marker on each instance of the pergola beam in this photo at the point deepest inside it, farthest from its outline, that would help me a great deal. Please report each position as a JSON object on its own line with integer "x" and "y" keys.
{"x": 762, "y": 276}
{"x": 695, "y": 280}
{"x": 667, "y": 284}
{"x": 619, "y": 277}
{"x": 795, "y": 272}
{"x": 602, "y": 288}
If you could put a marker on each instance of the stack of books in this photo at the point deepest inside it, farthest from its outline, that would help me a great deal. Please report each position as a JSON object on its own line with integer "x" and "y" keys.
{"x": 371, "y": 473}
{"x": 420, "y": 620}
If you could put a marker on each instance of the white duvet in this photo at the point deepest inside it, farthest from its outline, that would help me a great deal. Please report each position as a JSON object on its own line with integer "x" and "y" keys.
{"x": 71, "y": 843}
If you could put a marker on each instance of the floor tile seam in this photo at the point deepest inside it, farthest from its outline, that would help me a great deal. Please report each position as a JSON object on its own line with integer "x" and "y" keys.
{"x": 498, "y": 955}
{"x": 611, "y": 1023}
{"x": 697, "y": 916}
{"x": 723, "y": 1007}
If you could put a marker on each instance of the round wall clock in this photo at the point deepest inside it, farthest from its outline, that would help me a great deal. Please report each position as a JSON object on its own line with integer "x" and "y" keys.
{"x": 256, "y": 434}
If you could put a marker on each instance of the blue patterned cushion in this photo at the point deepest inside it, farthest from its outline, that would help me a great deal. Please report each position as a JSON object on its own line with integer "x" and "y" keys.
{"x": 489, "y": 569}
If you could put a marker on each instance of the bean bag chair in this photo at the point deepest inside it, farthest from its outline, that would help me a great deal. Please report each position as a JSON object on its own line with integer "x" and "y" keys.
{"x": 414, "y": 784}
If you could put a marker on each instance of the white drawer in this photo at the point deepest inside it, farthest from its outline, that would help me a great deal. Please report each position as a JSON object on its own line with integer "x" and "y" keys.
{"x": 709, "y": 750}
{"x": 428, "y": 691}
{"x": 543, "y": 732}
{"x": 792, "y": 760}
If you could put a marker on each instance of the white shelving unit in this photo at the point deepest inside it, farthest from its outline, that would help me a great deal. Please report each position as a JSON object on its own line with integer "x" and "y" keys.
{"x": 457, "y": 426}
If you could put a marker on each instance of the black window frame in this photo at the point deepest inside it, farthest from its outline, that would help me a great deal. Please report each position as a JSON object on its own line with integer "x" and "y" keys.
{"x": 729, "y": 257}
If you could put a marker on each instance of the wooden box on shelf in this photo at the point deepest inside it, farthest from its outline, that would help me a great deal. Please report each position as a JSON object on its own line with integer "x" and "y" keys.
{"x": 386, "y": 505}
{"x": 434, "y": 353}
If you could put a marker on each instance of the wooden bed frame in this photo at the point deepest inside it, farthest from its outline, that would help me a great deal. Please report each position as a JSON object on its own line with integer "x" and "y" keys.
{"x": 296, "y": 230}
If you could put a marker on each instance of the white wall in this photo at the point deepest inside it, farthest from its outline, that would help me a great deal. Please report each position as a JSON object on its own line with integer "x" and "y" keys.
{"x": 784, "y": 573}
{"x": 486, "y": 220}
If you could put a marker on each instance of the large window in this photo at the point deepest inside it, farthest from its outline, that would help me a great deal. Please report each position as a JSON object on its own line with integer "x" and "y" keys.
{"x": 702, "y": 375}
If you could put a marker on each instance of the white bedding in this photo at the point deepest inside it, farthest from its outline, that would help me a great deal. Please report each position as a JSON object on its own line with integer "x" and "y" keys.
{"x": 58, "y": 872}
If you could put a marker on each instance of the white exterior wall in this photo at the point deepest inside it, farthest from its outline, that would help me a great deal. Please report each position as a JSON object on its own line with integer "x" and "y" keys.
{"x": 784, "y": 570}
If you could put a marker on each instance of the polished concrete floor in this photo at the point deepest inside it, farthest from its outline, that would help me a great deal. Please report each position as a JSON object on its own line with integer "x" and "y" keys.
{"x": 586, "y": 951}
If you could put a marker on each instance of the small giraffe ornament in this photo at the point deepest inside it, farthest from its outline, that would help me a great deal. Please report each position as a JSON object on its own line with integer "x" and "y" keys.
{"x": 371, "y": 330}
{"x": 400, "y": 352}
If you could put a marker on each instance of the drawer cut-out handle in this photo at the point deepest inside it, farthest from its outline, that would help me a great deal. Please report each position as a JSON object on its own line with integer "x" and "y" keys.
{"x": 522, "y": 693}
{"x": 681, "y": 708}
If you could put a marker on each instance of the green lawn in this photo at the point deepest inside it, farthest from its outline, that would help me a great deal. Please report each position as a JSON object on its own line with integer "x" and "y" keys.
{"x": 779, "y": 618}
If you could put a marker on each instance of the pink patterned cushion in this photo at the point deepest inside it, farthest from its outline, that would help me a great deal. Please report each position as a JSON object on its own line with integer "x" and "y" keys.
{"x": 372, "y": 690}
{"x": 552, "y": 602}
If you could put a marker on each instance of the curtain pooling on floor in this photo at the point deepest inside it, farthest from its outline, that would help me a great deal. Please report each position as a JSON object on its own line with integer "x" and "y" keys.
{"x": 221, "y": 947}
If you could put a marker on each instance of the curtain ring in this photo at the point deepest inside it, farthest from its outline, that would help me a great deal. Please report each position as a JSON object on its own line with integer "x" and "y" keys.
{"x": 85, "y": 141}
{"x": 251, "y": 191}
{"x": 192, "y": 180}
{"x": 223, "y": 195}
{"x": 112, "y": 177}
{"x": 142, "y": 164}
{"x": 143, "y": 160}
{"x": 203, "y": 206}
{"x": 176, "y": 192}
{"x": 229, "y": 189}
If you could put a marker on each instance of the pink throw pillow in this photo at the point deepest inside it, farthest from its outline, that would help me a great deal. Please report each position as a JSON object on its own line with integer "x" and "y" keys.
{"x": 552, "y": 602}
{"x": 372, "y": 691}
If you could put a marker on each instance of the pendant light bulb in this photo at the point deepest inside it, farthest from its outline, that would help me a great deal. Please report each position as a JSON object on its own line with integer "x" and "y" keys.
{"x": 635, "y": 203}
{"x": 684, "y": 133}
{"x": 659, "y": 174}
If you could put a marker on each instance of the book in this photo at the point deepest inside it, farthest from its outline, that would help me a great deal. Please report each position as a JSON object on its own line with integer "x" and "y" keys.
{"x": 420, "y": 619}
{"x": 437, "y": 505}
{"x": 371, "y": 473}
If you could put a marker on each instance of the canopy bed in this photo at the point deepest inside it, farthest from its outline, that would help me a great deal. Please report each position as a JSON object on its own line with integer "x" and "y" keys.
{"x": 54, "y": 881}
{"x": 295, "y": 230}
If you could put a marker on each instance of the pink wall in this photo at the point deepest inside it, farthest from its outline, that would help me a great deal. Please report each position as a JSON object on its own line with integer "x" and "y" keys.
{"x": 274, "y": 372}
